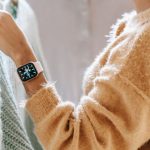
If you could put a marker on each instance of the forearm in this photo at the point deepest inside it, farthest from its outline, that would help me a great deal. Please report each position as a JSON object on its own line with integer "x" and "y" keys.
{"x": 31, "y": 86}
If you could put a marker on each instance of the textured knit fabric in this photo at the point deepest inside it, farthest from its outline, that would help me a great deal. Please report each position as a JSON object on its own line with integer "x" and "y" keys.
{"x": 14, "y": 135}
{"x": 114, "y": 111}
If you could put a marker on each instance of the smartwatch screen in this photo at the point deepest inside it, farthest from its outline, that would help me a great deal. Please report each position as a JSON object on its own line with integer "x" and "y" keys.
{"x": 27, "y": 72}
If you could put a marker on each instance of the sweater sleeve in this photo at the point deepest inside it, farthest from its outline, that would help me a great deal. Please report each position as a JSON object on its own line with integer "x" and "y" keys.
{"x": 113, "y": 115}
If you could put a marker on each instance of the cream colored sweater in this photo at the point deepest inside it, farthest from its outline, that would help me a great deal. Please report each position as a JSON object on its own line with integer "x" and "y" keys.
{"x": 114, "y": 110}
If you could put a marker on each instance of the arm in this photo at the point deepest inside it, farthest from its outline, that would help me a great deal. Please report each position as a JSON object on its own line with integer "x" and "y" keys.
{"x": 14, "y": 44}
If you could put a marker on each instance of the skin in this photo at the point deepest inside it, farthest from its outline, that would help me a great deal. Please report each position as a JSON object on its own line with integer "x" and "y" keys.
{"x": 141, "y": 5}
{"x": 14, "y": 44}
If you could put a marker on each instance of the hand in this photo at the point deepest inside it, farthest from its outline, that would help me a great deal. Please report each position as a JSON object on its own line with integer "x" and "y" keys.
{"x": 12, "y": 40}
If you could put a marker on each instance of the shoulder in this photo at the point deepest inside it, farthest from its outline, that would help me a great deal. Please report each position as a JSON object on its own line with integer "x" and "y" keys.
{"x": 118, "y": 27}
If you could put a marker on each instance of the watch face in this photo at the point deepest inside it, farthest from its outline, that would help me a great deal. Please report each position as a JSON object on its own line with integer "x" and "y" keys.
{"x": 27, "y": 72}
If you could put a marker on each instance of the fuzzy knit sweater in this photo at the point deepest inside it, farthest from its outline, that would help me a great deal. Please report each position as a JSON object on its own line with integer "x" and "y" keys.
{"x": 114, "y": 110}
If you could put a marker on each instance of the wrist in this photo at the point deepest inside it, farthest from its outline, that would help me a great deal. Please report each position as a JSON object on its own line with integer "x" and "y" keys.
{"x": 31, "y": 86}
{"x": 25, "y": 55}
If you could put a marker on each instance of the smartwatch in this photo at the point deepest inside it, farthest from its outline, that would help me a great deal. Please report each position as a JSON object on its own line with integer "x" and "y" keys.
{"x": 29, "y": 71}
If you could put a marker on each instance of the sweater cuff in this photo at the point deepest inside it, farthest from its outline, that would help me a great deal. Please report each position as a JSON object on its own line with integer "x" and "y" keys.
{"x": 42, "y": 102}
